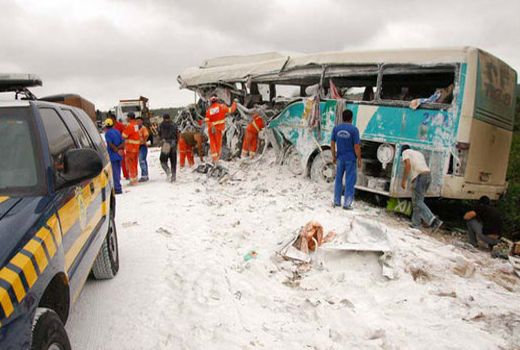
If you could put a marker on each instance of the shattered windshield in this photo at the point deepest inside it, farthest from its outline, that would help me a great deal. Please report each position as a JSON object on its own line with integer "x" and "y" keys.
{"x": 19, "y": 171}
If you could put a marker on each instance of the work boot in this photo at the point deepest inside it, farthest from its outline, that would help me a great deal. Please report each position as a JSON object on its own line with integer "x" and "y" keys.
{"x": 143, "y": 179}
{"x": 437, "y": 223}
{"x": 173, "y": 178}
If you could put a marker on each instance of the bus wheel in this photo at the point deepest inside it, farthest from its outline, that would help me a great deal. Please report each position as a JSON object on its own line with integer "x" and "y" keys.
{"x": 323, "y": 170}
{"x": 293, "y": 161}
{"x": 48, "y": 332}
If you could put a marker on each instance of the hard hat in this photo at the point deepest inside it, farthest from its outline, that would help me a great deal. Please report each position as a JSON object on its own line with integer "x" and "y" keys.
{"x": 109, "y": 122}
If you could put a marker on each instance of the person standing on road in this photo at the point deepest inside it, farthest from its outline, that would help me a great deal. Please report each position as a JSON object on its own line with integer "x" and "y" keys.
{"x": 131, "y": 136}
{"x": 120, "y": 127}
{"x": 484, "y": 223}
{"x": 143, "y": 149}
{"x": 417, "y": 170}
{"x": 187, "y": 142}
{"x": 115, "y": 148}
{"x": 216, "y": 121}
{"x": 168, "y": 132}
{"x": 345, "y": 137}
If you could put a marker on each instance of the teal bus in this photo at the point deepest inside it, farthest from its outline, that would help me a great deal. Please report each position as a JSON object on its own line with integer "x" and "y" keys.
{"x": 455, "y": 105}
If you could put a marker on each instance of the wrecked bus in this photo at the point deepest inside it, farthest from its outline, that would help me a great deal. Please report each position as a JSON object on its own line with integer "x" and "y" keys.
{"x": 455, "y": 105}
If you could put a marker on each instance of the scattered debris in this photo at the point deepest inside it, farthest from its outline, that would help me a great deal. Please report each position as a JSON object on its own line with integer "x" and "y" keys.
{"x": 128, "y": 224}
{"x": 464, "y": 268}
{"x": 250, "y": 255}
{"x": 419, "y": 273}
{"x": 311, "y": 237}
{"x": 451, "y": 294}
{"x": 163, "y": 231}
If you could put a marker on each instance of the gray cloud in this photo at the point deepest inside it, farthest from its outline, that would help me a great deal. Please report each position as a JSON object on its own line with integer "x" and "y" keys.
{"x": 112, "y": 49}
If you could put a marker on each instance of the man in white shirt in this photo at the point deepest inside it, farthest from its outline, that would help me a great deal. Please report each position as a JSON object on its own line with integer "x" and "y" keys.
{"x": 416, "y": 168}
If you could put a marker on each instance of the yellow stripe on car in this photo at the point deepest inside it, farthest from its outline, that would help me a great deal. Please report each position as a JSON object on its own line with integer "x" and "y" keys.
{"x": 46, "y": 237}
{"x": 25, "y": 264}
{"x": 14, "y": 280}
{"x": 5, "y": 302}
{"x": 54, "y": 225}
{"x": 36, "y": 249}
{"x": 3, "y": 199}
{"x": 73, "y": 252}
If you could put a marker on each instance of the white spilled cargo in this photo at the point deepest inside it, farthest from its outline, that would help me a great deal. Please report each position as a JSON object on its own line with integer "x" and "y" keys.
{"x": 361, "y": 244}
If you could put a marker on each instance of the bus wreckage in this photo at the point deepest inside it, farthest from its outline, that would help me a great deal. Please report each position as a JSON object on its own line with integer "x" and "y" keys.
{"x": 455, "y": 105}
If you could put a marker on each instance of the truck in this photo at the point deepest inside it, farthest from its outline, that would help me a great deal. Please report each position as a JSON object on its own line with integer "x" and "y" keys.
{"x": 74, "y": 100}
{"x": 138, "y": 106}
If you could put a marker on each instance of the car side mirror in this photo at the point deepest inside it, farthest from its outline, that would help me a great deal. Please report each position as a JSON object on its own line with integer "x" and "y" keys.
{"x": 80, "y": 165}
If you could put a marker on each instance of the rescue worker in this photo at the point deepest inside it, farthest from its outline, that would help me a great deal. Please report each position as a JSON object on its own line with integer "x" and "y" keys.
{"x": 216, "y": 120}
{"x": 143, "y": 149}
{"x": 168, "y": 132}
{"x": 250, "y": 144}
{"x": 120, "y": 127}
{"x": 416, "y": 168}
{"x": 115, "y": 148}
{"x": 187, "y": 142}
{"x": 131, "y": 136}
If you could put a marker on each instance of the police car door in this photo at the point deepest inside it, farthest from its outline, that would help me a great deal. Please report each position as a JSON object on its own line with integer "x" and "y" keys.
{"x": 89, "y": 200}
{"x": 69, "y": 200}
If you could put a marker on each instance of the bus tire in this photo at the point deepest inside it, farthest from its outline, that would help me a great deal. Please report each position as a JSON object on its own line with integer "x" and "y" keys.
{"x": 48, "y": 331}
{"x": 293, "y": 161}
{"x": 323, "y": 170}
{"x": 106, "y": 264}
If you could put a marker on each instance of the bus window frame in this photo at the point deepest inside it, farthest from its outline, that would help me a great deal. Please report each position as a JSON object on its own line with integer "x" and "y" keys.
{"x": 403, "y": 68}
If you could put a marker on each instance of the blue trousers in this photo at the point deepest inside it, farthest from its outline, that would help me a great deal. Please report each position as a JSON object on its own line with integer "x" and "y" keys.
{"x": 347, "y": 169}
{"x": 143, "y": 163}
{"x": 420, "y": 210}
{"x": 116, "y": 175}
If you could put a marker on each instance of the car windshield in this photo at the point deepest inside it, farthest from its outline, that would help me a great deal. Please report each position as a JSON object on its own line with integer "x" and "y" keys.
{"x": 19, "y": 172}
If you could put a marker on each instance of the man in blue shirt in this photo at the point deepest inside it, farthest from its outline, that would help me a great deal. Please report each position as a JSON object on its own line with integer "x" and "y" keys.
{"x": 115, "y": 146}
{"x": 345, "y": 137}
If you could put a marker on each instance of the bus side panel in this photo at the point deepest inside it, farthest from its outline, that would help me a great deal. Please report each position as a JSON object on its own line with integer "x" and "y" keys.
{"x": 488, "y": 154}
{"x": 492, "y": 123}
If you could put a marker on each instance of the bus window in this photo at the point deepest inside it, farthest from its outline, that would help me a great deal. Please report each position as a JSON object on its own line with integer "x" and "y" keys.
{"x": 287, "y": 91}
{"x": 359, "y": 93}
{"x": 355, "y": 83}
{"x": 435, "y": 84}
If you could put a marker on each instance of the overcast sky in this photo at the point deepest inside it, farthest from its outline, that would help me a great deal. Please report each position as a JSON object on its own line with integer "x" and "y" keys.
{"x": 108, "y": 50}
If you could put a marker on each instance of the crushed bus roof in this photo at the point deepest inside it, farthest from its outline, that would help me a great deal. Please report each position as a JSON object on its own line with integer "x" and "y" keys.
{"x": 241, "y": 68}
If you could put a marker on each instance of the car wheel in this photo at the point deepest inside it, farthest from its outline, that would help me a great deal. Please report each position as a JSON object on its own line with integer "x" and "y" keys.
{"x": 48, "y": 332}
{"x": 323, "y": 170}
{"x": 106, "y": 264}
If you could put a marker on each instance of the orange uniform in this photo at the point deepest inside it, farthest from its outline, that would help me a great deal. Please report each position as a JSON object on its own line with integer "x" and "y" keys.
{"x": 143, "y": 135}
{"x": 185, "y": 152}
{"x": 216, "y": 120}
{"x": 250, "y": 144}
{"x": 132, "y": 143}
